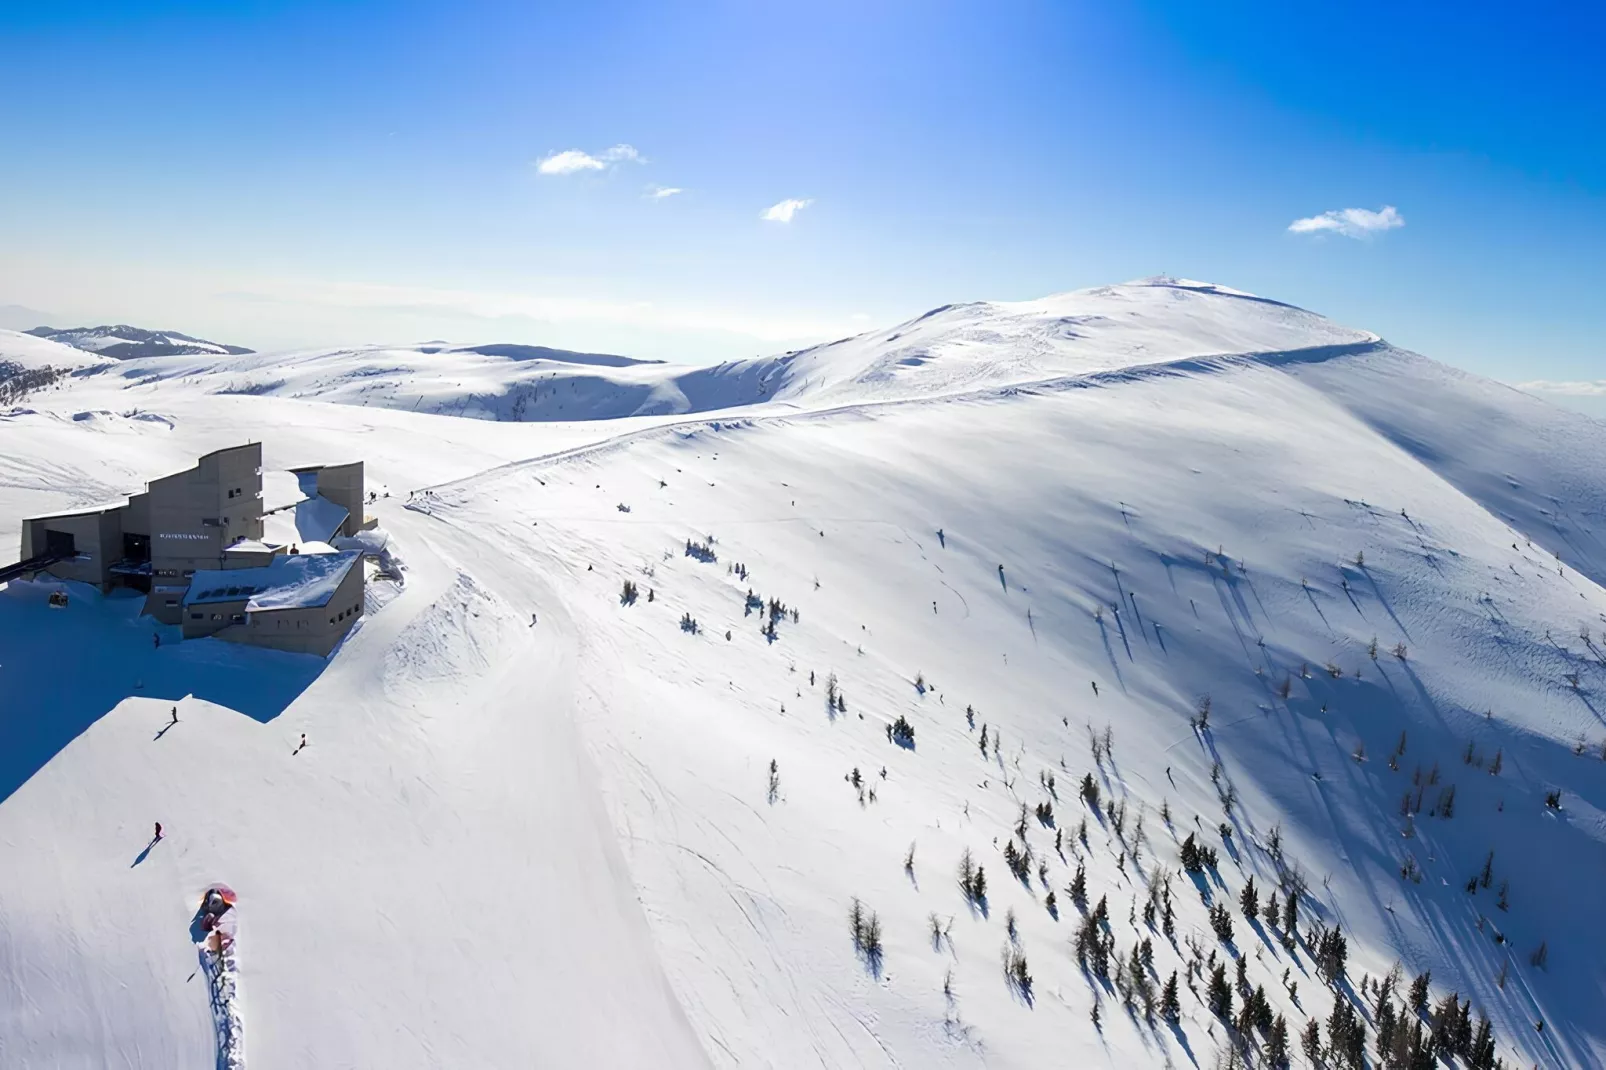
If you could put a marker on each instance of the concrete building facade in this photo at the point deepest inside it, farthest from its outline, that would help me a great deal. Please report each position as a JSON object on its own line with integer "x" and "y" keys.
{"x": 194, "y": 516}
{"x": 304, "y": 603}
{"x": 189, "y": 525}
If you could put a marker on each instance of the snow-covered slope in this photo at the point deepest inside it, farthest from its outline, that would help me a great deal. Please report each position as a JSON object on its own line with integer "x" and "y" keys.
{"x": 948, "y": 350}
{"x": 28, "y": 352}
{"x": 122, "y": 342}
{"x": 541, "y": 821}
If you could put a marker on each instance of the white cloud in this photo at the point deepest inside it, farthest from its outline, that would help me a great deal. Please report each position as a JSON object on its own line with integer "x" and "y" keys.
{"x": 568, "y": 162}
{"x": 571, "y": 161}
{"x": 658, "y": 193}
{"x": 1350, "y": 222}
{"x": 1583, "y": 388}
{"x": 783, "y": 212}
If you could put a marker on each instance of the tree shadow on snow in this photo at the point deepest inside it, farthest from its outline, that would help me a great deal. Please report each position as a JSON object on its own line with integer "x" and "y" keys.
{"x": 61, "y": 670}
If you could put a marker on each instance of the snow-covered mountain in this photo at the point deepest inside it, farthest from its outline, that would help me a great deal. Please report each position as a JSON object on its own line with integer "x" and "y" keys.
{"x": 123, "y": 342}
{"x": 1197, "y": 569}
{"x": 945, "y": 351}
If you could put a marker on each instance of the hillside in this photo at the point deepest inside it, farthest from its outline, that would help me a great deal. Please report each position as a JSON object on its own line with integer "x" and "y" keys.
{"x": 945, "y": 351}
{"x": 122, "y": 342}
{"x": 546, "y": 819}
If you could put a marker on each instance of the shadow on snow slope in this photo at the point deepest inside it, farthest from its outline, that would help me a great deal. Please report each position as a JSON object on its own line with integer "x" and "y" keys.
{"x": 62, "y": 670}
{"x": 1490, "y": 441}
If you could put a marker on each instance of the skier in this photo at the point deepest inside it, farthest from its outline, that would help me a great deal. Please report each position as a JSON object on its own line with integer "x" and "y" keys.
{"x": 158, "y": 831}
{"x": 174, "y": 721}
{"x": 1095, "y": 684}
{"x": 156, "y": 639}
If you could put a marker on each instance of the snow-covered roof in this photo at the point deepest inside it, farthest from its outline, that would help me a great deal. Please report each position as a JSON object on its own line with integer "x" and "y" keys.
{"x": 295, "y": 581}
{"x": 86, "y": 510}
{"x": 309, "y": 520}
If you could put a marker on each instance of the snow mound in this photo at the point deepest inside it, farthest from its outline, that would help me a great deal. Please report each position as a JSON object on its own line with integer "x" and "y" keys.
{"x": 106, "y": 421}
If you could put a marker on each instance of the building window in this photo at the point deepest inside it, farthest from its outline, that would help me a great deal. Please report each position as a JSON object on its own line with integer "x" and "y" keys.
{"x": 217, "y": 616}
{"x": 197, "y": 616}
{"x": 172, "y": 601}
{"x": 237, "y": 618}
{"x": 188, "y": 573}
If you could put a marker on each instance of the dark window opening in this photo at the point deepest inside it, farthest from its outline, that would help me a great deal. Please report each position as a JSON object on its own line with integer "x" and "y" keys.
{"x": 60, "y": 542}
{"x": 136, "y": 548}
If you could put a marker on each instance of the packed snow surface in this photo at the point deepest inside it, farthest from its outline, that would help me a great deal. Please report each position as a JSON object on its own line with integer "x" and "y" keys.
{"x": 545, "y": 818}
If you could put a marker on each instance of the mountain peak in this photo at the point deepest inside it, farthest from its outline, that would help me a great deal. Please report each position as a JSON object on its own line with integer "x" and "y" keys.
{"x": 126, "y": 342}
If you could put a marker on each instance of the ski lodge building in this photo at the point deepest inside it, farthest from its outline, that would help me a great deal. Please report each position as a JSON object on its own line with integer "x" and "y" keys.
{"x": 214, "y": 556}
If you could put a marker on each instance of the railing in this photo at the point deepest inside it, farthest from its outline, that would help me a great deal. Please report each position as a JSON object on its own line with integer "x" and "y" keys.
{"x": 33, "y": 564}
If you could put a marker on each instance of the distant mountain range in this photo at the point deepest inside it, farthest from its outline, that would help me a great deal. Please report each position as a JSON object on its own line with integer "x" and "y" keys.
{"x": 125, "y": 343}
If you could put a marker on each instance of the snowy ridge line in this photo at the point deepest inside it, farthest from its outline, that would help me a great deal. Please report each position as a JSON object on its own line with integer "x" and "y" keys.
{"x": 751, "y": 415}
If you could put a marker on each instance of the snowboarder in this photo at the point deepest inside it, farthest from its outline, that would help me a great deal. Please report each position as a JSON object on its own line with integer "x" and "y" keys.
{"x": 934, "y": 607}
{"x": 158, "y": 831}
{"x": 1095, "y": 684}
{"x": 300, "y": 746}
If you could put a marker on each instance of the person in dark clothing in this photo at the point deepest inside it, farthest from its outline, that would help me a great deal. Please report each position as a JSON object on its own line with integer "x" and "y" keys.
{"x": 158, "y": 831}
{"x": 175, "y": 716}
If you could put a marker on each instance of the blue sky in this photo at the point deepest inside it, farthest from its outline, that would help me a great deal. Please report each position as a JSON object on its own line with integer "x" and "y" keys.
{"x": 296, "y": 172}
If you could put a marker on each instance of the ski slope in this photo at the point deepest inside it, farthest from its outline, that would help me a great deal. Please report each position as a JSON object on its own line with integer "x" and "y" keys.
{"x": 535, "y": 822}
